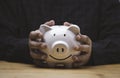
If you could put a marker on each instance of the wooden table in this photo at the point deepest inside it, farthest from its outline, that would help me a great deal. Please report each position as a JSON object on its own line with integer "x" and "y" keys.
{"x": 19, "y": 70}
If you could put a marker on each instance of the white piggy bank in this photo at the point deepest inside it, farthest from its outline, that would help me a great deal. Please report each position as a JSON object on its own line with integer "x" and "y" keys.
{"x": 60, "y": 42}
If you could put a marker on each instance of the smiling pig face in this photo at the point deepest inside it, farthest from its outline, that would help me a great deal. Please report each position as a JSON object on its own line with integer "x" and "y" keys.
{"x": 60, "y": 42}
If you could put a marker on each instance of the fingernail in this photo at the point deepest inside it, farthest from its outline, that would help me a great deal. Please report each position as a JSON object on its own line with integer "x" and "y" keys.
{"x": 76, "y": 48}
{"x": 51, "y": 20}
{"x": 78, "y": 37}
{"x": 75, "y": 58}
{"x": 51, "y": 23}
{"x": 40, "y": 35}
{"x": 66, "y": 23}
{"x": 43, "y": 57}
{"x": 43, "y": 46}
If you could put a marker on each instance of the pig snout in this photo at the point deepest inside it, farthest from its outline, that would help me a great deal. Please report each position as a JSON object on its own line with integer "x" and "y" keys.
{"x": 60, "y": 47}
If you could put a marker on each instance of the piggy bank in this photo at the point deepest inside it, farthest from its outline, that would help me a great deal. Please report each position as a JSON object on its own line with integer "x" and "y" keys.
{"x": 60, "y": 41}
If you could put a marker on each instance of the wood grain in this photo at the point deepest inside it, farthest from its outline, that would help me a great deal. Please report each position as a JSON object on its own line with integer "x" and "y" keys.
{"x": 19, "y": 70}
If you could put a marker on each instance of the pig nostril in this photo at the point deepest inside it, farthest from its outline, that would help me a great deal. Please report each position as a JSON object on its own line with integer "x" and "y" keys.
{"x": 64, "y": 34}
{"x": 54, "y": 34}
{"x": 62, "y": 49}
{"x": 57, "y": 49}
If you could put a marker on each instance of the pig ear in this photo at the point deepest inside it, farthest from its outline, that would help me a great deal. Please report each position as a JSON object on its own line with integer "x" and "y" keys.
{"x": 74, "y": 28}
{"x": 44, "y": 28}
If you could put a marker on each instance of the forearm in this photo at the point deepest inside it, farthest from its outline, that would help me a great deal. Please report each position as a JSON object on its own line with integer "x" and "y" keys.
{"x": 15, "y": 49}
{"x": 106, "y": 51}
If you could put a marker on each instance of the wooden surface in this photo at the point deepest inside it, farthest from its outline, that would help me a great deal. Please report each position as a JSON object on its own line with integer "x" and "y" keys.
{"x": 18, "y": 70}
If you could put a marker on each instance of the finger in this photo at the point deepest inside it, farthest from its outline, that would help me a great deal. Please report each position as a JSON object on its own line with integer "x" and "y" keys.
{"x": 34, "y": 44}
{"x": 76, "y": 59}
{"x": 41, "y": 56}
{"x": 83, "y": 38}
{"x": 37, "y": 45}
{"x": 43, "y": 45}
{"x": 35, "y": 34}
{"x": 76, "y": 65}
{"x": 81, "y": 59}
{"x": 50, "y": 23}
{"x": 84, "y": 48}
{"x": 67, "y": 24}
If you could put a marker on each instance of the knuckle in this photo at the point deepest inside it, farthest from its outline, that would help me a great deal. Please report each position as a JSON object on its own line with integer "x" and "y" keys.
{"x": 32, "y": 32}
{"x": 37, "y": 30}
{"x": 87, "y": 46}
{"x": 86, "y": 37}
{"x": 43, "y": 45}
{"x": 83, "y": 53}
{"x": 79, "y": 48}
{"x": 78, "y": 37}
{"x": 76, "y": 58}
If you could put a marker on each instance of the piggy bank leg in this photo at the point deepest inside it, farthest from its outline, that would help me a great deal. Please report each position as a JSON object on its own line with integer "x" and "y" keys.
{"x": 69, "y": 65}
{"x": 40, "y": 63}
{"x": 51, "y": 65}
{"x": 76, "y": 65}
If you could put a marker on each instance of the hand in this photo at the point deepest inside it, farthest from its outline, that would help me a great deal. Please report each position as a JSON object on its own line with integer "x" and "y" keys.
{"x": 84, "y": 48}
{"x": 36, "y": 44}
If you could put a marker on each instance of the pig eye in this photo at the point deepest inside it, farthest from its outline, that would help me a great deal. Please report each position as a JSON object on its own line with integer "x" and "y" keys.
{"x": 64, "y": 35}
{"x": 54, "y": 34}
